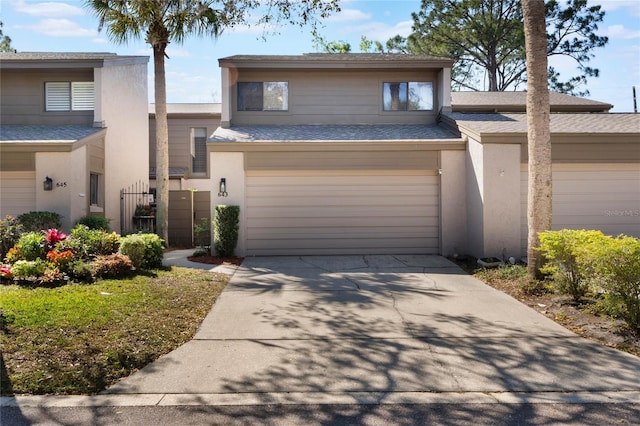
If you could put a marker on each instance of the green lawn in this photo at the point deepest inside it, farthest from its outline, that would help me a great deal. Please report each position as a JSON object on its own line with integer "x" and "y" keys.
{"x": 80, "y": 338}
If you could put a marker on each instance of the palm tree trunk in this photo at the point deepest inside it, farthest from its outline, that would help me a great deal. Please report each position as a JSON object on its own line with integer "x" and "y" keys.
{"x": 162, "y": 144}
{"x": 539, "y": 207}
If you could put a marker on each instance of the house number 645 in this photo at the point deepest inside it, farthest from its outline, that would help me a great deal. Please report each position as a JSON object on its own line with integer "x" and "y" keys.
{"x": 61, "y": 184}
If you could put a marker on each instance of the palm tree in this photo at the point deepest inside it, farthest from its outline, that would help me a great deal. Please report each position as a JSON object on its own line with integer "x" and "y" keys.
{"x": 539, "y": 210}
{"x": 165, "y": 21}
{"x": 161, "y": 22}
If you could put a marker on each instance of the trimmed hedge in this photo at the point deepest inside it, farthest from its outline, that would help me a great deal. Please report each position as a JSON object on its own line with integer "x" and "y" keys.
{"x": 225, "y": 229}
{"x": 144, "y": 250}
{"x": 37, "y": 221}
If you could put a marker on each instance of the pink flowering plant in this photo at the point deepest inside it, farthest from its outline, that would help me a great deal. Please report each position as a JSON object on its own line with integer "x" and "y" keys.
{"x": 5, "y": 272}
{"x": 53, "y": 236}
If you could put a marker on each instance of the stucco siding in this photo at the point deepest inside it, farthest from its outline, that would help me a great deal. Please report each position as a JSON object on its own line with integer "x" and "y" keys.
{"x": 123, "y": 106}
{"x": 335, "y": 97}
{"x": 23, "y": 97}
{"x": 605, "y": 197}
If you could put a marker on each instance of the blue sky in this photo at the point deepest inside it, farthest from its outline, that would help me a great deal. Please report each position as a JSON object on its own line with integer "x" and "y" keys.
{"x": 192, "y": 70}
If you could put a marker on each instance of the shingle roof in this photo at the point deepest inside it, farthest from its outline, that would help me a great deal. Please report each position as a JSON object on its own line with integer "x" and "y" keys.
{"x": 516, "y": 102}
{"x": 319, "y": 133}
{"x": 39, "y": 133}
{"x": 341, "y": 60}
{"x": 603, "y": 123}
{"x": 174, "y": 172}
{"x": 54, "y": 59}
{"x": 47, "y": 56}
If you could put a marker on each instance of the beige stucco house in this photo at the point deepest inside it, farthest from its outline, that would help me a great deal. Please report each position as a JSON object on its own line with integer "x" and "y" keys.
{"x": 78, "y": 121}
{"x": 371, "y": 153}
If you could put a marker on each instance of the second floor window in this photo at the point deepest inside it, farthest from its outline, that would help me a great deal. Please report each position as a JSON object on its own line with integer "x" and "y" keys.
{"x": 69, "y": 96}
{"x": 199, "y": 151}
{"x": 407, "y": 96}
{"x": 263, "y": 96}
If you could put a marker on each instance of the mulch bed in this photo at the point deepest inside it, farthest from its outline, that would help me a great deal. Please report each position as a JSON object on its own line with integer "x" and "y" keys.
{"x": 216, "y": 260}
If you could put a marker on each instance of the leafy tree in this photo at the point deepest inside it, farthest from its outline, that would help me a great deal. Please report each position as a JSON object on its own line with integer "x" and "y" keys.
{"x": 161, "y": 22}
{"x": 320, "y": 44}
{"x": 5, "y": 41}
{"x": 487, "y": 36}
{"x": 538, "y": 132}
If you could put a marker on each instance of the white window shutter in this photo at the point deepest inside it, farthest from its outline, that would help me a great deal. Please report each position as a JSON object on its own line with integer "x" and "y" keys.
{"x": 57, "y": 96}
{"x": 82, "y": 96}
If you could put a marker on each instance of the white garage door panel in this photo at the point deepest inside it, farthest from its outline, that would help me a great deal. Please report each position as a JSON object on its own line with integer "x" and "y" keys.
{"x": 17, "y": 193}
{"x": 344, "y": 212}
{"x": 592, "y": 196}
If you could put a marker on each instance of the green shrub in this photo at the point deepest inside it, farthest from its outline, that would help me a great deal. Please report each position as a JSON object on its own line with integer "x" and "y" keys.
{"x": 52, "y": 277}
{"x": 10, "y": 231}
{"x": 225, "y": 229}
{"x": 133, "y": 247}
{"x": 202, "y": 233}
{"x": 30, "y": 246}
{"x": 80, "y": 271}
{"x": 566, "y": 258}
{"x": 616, "y": 262}
{"x": 28, "y": 269}
{"x": 94, "y": 222}
{"x": 144, "y": 250}
{"x": 87, "y": 243}
{"x": 114, "y": 265}
{"x": 38, "y": 221}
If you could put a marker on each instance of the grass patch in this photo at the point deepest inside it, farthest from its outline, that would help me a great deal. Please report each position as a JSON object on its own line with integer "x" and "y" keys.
{"x": 79, "y": 339}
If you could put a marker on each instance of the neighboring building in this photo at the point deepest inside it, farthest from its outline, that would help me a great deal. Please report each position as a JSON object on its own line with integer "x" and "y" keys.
{"x": 190, "y": 126}
{"x": 78, "y": 121}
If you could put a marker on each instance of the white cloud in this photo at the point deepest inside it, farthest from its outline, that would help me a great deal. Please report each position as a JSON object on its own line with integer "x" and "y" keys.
{"x": 620, "y": 32}
{"x": 349, "y": 15}
{"x": 381, "y": 31}
{"x": 60, "y": 28}
{"x": 632, "y": 6}
{"x": 50, "y": 9}
{"x": 100, "y": 40}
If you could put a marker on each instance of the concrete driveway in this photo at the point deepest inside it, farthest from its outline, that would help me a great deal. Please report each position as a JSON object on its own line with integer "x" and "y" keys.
{"x": 378, "y": 329}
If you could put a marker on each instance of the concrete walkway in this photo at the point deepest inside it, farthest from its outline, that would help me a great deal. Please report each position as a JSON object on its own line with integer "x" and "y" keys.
{"x": 373, "y": 330}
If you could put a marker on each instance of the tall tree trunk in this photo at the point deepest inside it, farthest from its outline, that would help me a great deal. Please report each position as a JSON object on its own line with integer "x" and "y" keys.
{"x": 162, "y": 144}
{"x": 539, "y": 211}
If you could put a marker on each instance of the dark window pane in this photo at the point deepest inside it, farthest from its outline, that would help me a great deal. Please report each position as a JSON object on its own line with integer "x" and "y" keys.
{"x": 249, "y": 96}
{"x": 394, "y": 96}
{"x": 199, "y": 150}
{"x": 94, "y": 188}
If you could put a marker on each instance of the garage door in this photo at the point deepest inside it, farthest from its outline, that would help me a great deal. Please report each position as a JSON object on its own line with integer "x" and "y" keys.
{"x": 17, "y": 192}
{"x": 342, "y": 212}
{"x": 592, "y": 196}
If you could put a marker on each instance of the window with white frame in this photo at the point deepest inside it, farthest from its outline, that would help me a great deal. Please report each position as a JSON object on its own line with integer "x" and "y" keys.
{"x": 263, "y": 96}
{"x": 407, "y": 96}
{"x": 199, "y": 151}
{"x": 69, "y": 96}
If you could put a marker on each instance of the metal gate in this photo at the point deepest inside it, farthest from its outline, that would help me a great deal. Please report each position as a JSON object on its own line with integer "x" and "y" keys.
{"x": 137, "y": 208}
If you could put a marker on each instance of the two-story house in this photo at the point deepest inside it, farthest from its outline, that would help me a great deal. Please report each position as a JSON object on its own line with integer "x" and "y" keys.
{"x": 73, "y": 132}
{"x": 363, "y": 153}
{"x": 331, "y": 153}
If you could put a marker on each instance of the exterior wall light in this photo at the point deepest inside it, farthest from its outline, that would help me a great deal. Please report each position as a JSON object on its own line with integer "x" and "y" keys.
{"x": 48, "y": 184}
{"x": 222, "y": 191}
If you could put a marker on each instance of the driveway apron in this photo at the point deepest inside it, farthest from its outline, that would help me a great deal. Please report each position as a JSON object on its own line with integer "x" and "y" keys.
{"x": 383, "y": 324}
